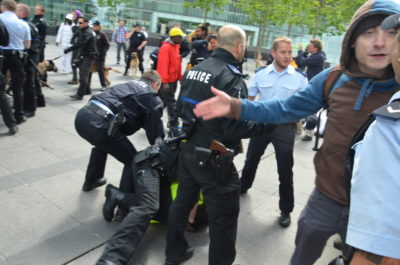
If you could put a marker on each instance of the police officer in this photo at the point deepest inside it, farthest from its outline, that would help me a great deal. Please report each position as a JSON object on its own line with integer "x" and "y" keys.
{"x": 5, "y": 107}
{"x": 32, "y": 60}
{"x": 20, "y": 39}
{"x": 137, "y": 41}
{"x": 212, "y": 172}
{"x": 40, "y": 23}
{"x": 141, "y": 107}
{"x": 88, "y": 51}
{"x": 102, "y": 45}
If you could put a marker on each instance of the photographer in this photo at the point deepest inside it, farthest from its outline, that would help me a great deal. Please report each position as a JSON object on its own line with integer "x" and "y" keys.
{"x": 88, "y": 51}
{"x": 139, "y": 106}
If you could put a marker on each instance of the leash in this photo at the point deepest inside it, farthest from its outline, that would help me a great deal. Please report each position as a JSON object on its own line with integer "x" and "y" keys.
{"x": 56, "y": 58}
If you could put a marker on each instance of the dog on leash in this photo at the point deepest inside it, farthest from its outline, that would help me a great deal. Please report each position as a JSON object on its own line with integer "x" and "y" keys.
{"x": 42, "y": 68}
{"x": 134, "y": 64}
{"x": 93, "y": 69}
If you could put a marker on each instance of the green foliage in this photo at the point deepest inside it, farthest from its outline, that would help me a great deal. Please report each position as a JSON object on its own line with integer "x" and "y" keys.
{"x": 207, "y": 5}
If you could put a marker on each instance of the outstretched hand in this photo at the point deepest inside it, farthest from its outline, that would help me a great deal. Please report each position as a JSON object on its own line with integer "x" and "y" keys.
{"x": 215, "y": 107}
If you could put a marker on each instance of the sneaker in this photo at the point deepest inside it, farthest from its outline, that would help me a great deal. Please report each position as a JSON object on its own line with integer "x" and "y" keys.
{"x": 306, "y": 138}
{"x": 73, "y": 82}
{"x": 12, "y": 130}
{"x": 76, "y": 97}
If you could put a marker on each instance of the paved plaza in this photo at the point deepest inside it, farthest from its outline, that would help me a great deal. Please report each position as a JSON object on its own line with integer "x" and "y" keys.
{"x": 45, "y": 218}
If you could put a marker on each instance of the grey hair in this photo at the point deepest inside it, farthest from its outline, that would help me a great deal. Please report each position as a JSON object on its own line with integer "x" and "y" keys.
{"x": 151, "y": 76}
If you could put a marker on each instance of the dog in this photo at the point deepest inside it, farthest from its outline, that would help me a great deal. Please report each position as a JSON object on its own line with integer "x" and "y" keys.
{"x": 42, "y": 68}
{"x": 93, "y": 69}
{"x": 134, "y": 64}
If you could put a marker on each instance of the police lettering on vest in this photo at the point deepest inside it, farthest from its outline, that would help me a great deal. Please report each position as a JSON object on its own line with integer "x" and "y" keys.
{"x": 199, "y": 76}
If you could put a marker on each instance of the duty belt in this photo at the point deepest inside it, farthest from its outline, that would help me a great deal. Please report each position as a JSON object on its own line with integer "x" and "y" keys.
{"x": 100, "y": 109}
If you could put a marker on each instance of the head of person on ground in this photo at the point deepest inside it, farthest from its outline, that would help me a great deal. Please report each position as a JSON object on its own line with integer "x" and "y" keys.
{"x": 282, "y": 52}
{"x": 8, "y": 5}
{"x": 39, "y": 10}
{"x": 22, "y": 10}
{"x": 96, "y": 26}
{"x": 83, "y": 22}
{"x": 314, "y": 46}
{"x": 153, "y": 78}
{"x": 121, "y": 23}
{"x": 176, "y": 35}
{"x": 390, "y": 23}
{"x": 232, "y": 39}
{"x": 366, "y": 47}
{"x": 212, "y": 40}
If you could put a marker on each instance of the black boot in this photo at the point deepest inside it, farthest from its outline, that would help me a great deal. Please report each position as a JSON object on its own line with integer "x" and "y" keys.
{"x": 113, "y": 197}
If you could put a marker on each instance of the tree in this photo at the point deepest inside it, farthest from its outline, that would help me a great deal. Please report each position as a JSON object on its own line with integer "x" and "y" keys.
{"x": 206, "y": 5}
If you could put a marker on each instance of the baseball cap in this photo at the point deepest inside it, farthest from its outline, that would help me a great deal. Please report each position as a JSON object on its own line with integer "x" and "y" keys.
{"x": 391, "y": 22}
{"x": 135, "y": 25}
{"x": 69, "y": 16}
{"x": 176, "y": 32}
{"x": 96, "y": 23}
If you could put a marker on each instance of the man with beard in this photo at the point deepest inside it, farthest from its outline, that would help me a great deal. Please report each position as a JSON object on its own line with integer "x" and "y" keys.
{"x": 278, "y": 80}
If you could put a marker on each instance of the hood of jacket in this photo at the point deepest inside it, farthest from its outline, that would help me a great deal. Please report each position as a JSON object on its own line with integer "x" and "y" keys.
{"x": 348, "y": 61}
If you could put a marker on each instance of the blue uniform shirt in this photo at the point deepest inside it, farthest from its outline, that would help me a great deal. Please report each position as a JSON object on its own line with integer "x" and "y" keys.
{"x": 374, "y": 221}
{"x": 271, "y": 84}
{"x": 18, "y": 31}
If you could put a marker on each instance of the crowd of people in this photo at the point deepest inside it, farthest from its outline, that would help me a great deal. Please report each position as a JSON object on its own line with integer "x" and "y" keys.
{"x": 358, "y": 159}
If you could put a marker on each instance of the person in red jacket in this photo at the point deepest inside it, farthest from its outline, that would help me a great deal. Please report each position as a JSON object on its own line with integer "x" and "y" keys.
{"x": 169, "y": 66}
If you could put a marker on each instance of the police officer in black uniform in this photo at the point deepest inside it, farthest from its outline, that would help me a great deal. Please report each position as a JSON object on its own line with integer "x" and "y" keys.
{"x": 138, "y": 103}
{"x": 5, "y": 107}
{"x": 40, "y": 23}
{"x": 88, "y": 51}
{"x": 29, "y": 87}
{"x": 102, "y": 45}
{"x": 137, "y": 41}
{"x": 202, "y": 168}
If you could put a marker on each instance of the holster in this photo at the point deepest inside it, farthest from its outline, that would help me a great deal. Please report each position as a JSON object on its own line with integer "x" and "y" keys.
{"x": 203, "y": 156}
{"x": 223, "y": 167}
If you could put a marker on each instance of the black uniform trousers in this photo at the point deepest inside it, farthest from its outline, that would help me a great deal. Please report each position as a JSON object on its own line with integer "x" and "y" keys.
{"x": 15, "y": 64}
{"x": 222, "y": 201}
{"x": 75, "y": 55}
{"x": 151, "y": 200}
{"x": 8, "y": 117}
{"x": 30, "y": 85}
{"x": 99, "y": 61}
{"x": 282, "y": 138}
{"x": 84, "y": 73}
{"x": 93, "y": 128}
{"x": 128, "y": 58}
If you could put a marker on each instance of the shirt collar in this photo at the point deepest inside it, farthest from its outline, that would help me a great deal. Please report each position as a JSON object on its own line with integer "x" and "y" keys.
{"x": 290, "y": 69}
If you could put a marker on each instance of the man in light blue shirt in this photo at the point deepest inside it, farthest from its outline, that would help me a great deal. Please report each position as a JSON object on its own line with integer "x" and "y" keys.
{"x": 279, "y": 80}
{"x": 20, "y": 39}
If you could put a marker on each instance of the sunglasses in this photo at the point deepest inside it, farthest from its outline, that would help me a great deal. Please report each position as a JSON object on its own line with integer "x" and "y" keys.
{"x": 80, "y": 23}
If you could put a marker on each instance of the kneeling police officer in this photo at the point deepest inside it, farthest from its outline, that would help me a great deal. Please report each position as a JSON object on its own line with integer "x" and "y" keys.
{"x": 111, "y": 116}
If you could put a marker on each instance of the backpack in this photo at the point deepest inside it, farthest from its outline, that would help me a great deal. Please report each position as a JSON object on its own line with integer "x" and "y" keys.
{"x": 329, "y": 83}
{"x": 4, "y": 37}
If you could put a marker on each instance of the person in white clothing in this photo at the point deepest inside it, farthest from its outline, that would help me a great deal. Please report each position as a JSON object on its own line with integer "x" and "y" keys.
{"x": 63, "y": 39}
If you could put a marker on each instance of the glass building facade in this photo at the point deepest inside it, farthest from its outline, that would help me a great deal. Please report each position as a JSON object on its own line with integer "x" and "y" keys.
{"x": 155, "y": 15}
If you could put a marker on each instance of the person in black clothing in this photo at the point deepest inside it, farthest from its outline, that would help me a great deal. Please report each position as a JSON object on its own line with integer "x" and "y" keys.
{"x": 88, "y": 52}
{"x": 202, "y": 49}
{"x": 5, "y": 107}
{"x": 313, "y": 58}
{"x": 137, "y": 41}
{"x": 142, "y": 108}
{"x": 40, "y": 23}
{"x": 29, "y": 87}
{"x": 210, "y": 171}
{"x": 76, "y": 14}
{"x": 103, "y": 45}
